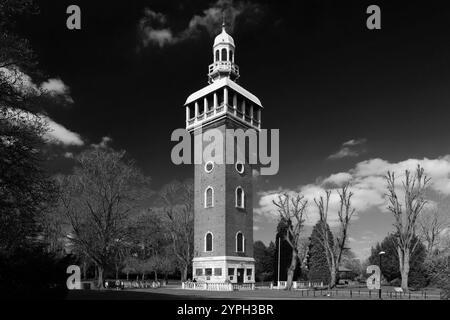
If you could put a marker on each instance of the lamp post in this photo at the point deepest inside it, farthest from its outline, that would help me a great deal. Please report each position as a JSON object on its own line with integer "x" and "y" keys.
{"x": 380, "y": 254}
{"x": 279, "y": 249}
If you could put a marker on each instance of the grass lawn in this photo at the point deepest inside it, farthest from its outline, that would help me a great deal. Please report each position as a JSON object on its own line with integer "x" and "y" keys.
{"x": 174, "y": 292}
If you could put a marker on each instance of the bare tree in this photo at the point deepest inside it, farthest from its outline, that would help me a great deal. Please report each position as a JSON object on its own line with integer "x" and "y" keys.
{"x": 292, "y": 210}
{"x": 433, "y": 221}
{"x": 98, "y": 201}
{"x": 178, "y": 218}
{"x": 334, "y": 248}
{"x": 406, "y": 215}
{"x": 159, "y": 264}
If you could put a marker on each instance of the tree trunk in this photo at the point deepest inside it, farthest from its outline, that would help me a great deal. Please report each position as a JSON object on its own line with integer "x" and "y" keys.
{"x": 100, "y": 277}
{"x": 404, "y": 267}
{"x": 291, "y": 270}
{"x": 117, "y": 272}
{"x": 184, "y": 273}
{"x": 128, "y": 275}
{"x": 333, "y": 278}
{"x": 156, "y": 276}
{"x": 84, "y": 270}
{"x": 333, "y": 274}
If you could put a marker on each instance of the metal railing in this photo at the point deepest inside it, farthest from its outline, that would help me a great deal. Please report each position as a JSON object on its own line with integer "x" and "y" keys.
{"x": 223, "y": 66}
{"x": 221, "y": 286}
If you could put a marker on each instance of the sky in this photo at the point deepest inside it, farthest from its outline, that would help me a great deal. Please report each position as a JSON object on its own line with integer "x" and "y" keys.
{"x": 350, "y": 103}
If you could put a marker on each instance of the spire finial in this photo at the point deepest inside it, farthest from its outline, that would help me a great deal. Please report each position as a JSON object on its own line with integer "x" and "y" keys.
{"x": 223, "y": 20}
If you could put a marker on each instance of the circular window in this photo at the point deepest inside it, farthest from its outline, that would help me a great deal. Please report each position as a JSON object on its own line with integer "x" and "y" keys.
{"x": 240, "y": 167}
{"x": 209, "y": 166}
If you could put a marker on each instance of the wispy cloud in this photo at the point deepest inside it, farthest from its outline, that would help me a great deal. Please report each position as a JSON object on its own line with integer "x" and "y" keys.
{"x": 154, "y": 27}
{"x": 22, "y": 82}
{"x": 58, "y": 134}
{"x": 104, "y": 143}
{"x": 55, "y": 87}
{"x": 367, "y": 182}
{"x": 351, "y": 148}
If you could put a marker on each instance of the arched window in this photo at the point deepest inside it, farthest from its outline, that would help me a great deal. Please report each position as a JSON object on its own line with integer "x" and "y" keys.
{"x": 209, "y": 242}
{"x": 224, "y": 54}
{"x": 240, "y": 167}
{"x": 240, "y": 197}
{"x": 231, "y": 56}
{"x": 240, "y": 242}
{"x": 217, "y": 55}
{"x": 209, "y": 166}
{"x": 209, "y": 197}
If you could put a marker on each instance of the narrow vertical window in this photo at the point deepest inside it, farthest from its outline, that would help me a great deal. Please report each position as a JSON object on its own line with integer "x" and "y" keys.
{"x": 239, "y": 242}
{"x": 240, "y": 197}
{"x": 209, "y": 242}
{"x": 209, "y": 197}
{"x": 217, "y": 55}
{"x": 224, "y": 54}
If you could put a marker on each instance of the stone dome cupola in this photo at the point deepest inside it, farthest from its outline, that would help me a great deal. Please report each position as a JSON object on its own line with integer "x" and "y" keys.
{"x": 223, "y": 58}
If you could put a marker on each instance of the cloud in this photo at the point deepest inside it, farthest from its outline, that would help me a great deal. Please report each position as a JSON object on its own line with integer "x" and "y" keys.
{"x": 104, "y": 143}
{"x": 354, "y": 142}
{"x": 58, "y": 134}
{"x": 23, "y": 83}
{"x": 153, "y": 27}
{"x": 351, "y": 148}
{"x": 55, "y": 87}
{"x": 367, "y": 183}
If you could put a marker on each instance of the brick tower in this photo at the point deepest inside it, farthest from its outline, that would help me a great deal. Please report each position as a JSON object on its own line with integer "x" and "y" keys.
{"x": 223, "y": 227}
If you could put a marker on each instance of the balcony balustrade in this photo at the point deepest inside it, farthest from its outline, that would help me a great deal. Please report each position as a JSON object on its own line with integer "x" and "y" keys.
{"x": 223, "y": 66}
{"x": 220, "y": 110}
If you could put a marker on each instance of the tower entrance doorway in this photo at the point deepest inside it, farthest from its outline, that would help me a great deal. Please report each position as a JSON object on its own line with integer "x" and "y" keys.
{"x": 240, "y": 275}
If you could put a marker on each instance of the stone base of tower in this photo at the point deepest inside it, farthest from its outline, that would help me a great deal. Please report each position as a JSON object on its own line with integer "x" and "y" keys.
{"x": 219, "y": 269}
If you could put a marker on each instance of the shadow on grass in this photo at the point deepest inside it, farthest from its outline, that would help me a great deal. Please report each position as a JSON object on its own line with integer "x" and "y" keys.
{"x": 126, "y": 295}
